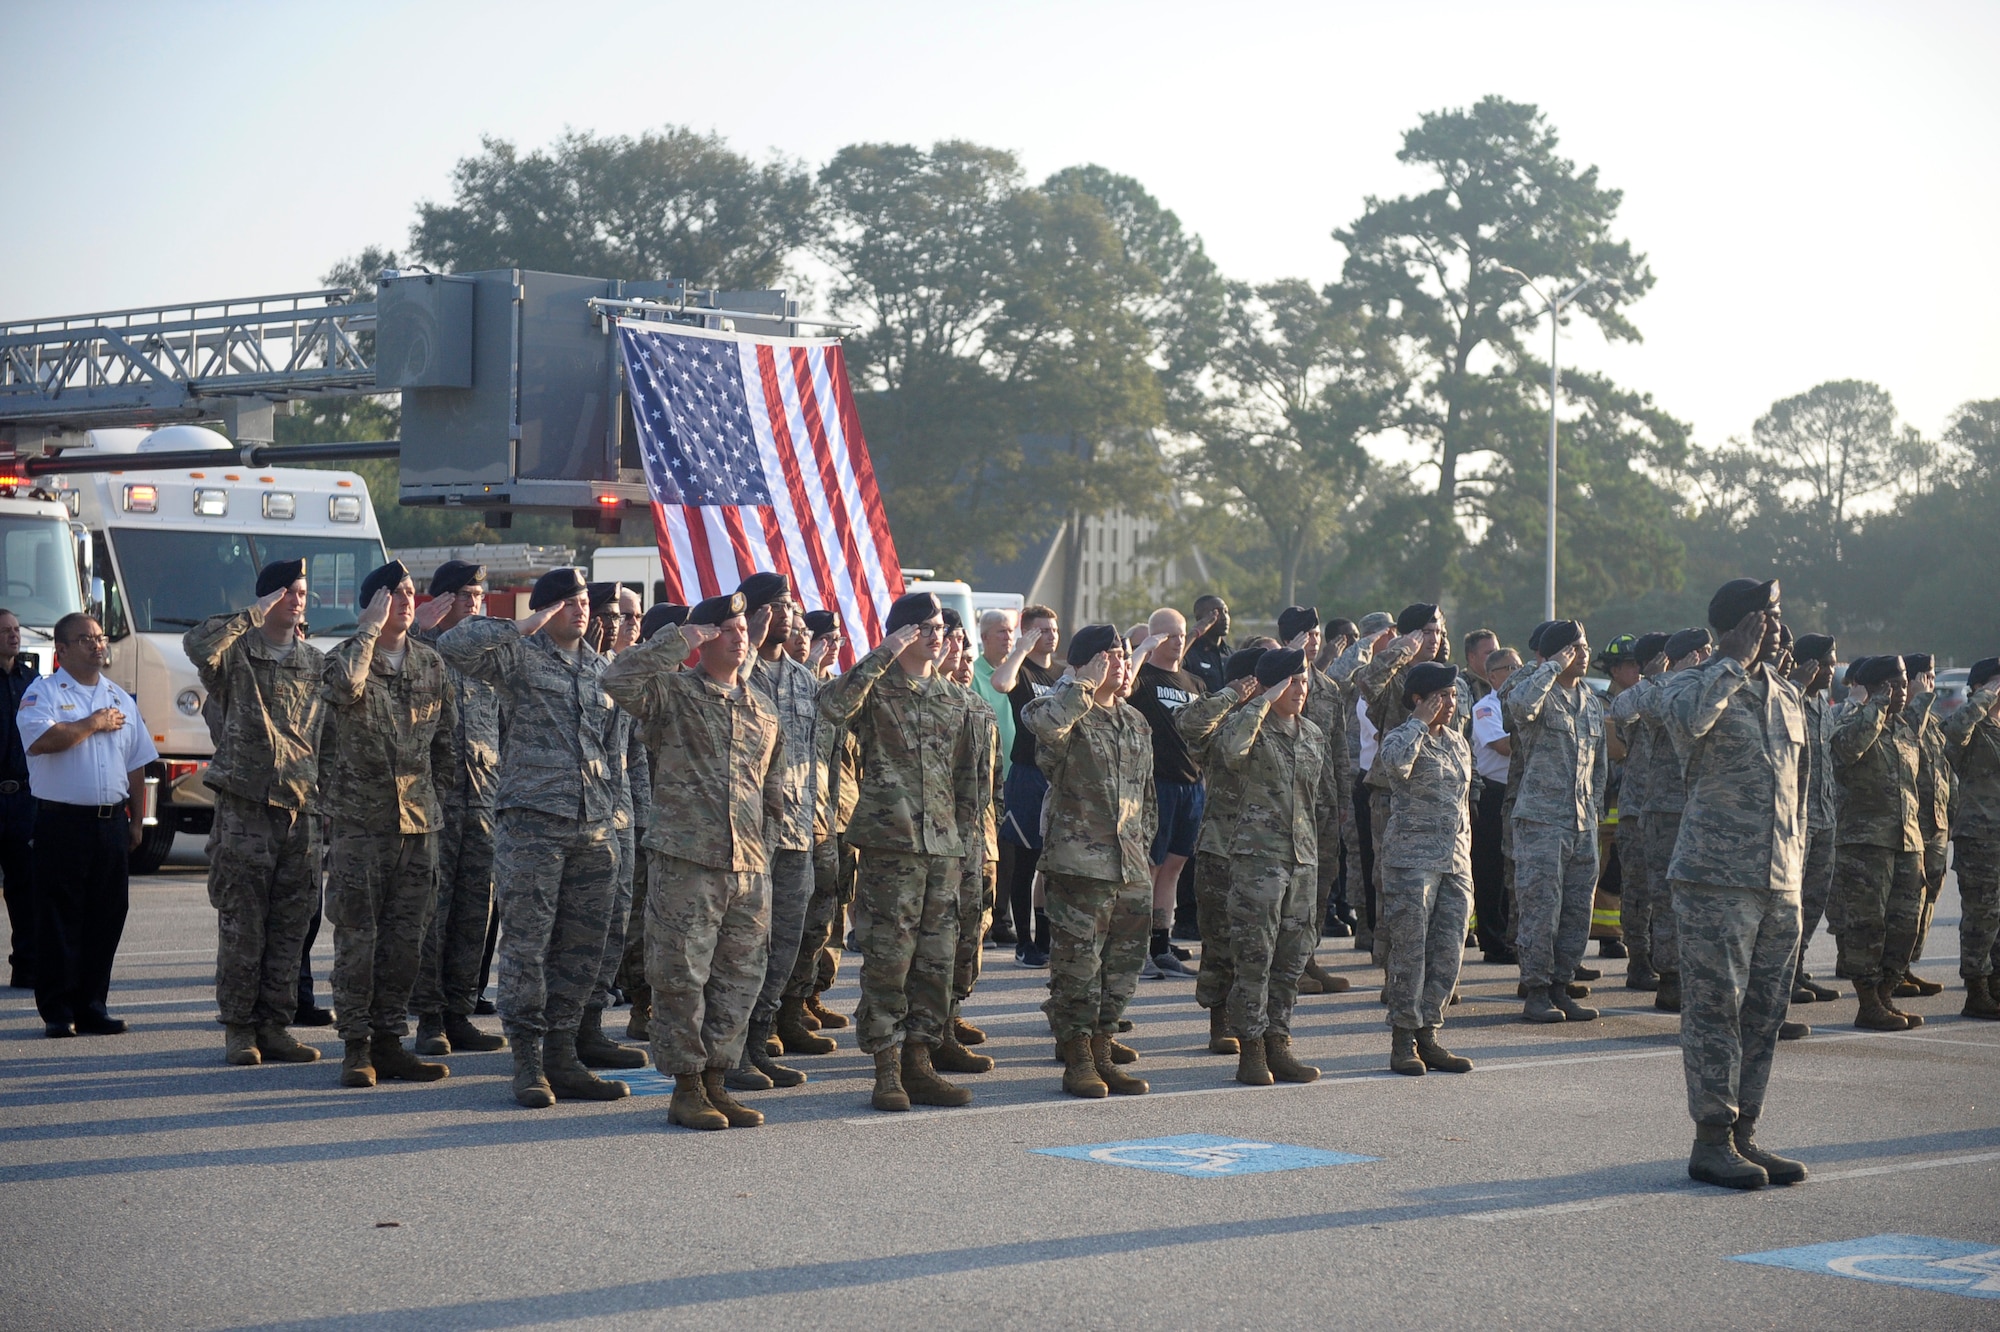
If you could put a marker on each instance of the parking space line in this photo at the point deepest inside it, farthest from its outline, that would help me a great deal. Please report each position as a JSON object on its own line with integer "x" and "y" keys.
{"x": 1906, "y": 1165}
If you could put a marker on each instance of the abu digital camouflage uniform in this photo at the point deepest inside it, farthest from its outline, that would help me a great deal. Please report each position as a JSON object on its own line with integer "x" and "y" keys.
{"x": 1972, "y": 740}
{"x": 1935, "y": 800}
{"x": 792, "y": 690}
{"x": 834, "y": 863}
{"x": 979, "y": 881}
{"x": 1822, "y": 816}
{"x": 554, "y": 853}
{"x": 1663, "y": 795}
{"x": 1198, "y": 724}
{"x": 1347, "y": 753}
{"x": 919, "y": 785}
{"x": 1380, "y": 682}
{"x": 455, "y": 943}
{"x": 1639, "y": 892}
{"x": 264, "y": 712}
{"x": 1735, "y": 876}
{"x": 1273, "y": 854}
{"x": 1427, "y": 878}
{"x": 1556, "y": 808}
{"x": 1328, "y": 707}
{"x": 1878, "y": 874}
{"x": 633, "y": 784}
{"x": 387, "y": 731}
{"x": 1102, "y": 811}
{"x": 719, "y": 801}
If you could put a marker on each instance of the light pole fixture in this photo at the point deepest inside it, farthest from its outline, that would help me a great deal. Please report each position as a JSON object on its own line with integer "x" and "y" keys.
{"x": 1554, "y": 311}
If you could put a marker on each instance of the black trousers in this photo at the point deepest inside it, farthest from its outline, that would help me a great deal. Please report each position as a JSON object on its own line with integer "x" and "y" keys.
{"x": 17, "y": 878}
{"x": 81, "y": 895}
{"x": 1489, "y": 870}
{"x": 1364, "y": 834}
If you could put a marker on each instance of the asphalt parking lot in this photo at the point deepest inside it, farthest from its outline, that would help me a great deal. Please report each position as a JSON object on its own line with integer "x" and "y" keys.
{"x": 144, "y": 1184}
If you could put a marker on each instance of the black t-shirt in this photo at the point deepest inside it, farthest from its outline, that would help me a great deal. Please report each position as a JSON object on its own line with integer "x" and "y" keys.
{"x": 1034, "y": 682}
{"x": 1160, "y": 695}
{"x": 1207, "y": 658}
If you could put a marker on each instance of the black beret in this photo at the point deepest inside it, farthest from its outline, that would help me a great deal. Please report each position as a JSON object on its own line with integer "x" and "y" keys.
{"x": 1091, "y": 640}
{"x": 717, "y": 609}
{"x": 1535, "y": 635}
{"x": 660, "y": 616}
{"x": 1279, "y": 665}
{"x": 1338, "y": 628}
{"x": 455, "y": 574}
{"x": 1872, "y": 671}
{"x": 279, "y": 574}
{"x": 911, "y": 608}
{"x": 556, "y": 585}
{"x": 1296, "y": 620}
{"x": 761, "y": 589}
{"x": 952, "y": 619}
{"x": 1982, "y": 670}
{"x": 601, "y": 595}
{"x": 822, "y": 622}
{"x": 387, "y": 578}
{"x": 1242, "y": 663}
{"x": 1737, "y": 598}
{"x": 1415, "y": 617}
{"x": 1813, "y": 647}
{"x": 1916, "y": 663}
{"x": 1785, "y": 636}
{"x": 1559, "y": 636}
{"x": 1427, "y": 677}
{"x": 1648, "y": 646}
{"x": 1686, "y": 641}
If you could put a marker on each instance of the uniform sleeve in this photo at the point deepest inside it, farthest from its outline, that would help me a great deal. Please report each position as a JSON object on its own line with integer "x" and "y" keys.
{"x": 209, "y": 642}
{"x": 1486, "y": 724}
{"x": 1239, "y": 733}
{"x": 965, "y": 783}
{"x": 636, "y": 678}
{"x": 444, "y": 740}
{"x": 1628, "y": 705}
{"x": 1698, "y": 698}
{"x": 138, "y": 737}
{"x": 1857, "y": 733}
{"x": 1600, "y": 776}
{"x": 1526, "y": 700}
{"x": 846, "y": 694}
{"x": 1358, "y": 654}
{"x": 1398, "y": 751}
{"x": 1374, "y": 677}
{"x": 344, "y": 677}
{"x": 37, "y": 713}
{"x": 485, "y": 649}
{"x": 1958, "y": 727}
{"x": 774, "y": 787}
{"x": 1053, "y": 716}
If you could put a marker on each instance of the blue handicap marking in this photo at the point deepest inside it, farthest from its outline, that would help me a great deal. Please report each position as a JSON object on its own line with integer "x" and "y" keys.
{"x": 1203, "y": 1155}
{"x": 648, "y": 1081}
{"x": 1917, "y": 1261}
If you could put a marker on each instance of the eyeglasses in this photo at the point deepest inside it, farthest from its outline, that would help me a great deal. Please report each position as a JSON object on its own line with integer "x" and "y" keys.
{"x": 89, "y": 640}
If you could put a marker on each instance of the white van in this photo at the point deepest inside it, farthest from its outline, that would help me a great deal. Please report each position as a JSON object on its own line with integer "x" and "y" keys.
{"x": 176, "y": 546}
{"x": 637, "y": 567}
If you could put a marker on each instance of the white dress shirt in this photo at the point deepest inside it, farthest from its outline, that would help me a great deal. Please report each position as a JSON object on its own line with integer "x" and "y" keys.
{"x": 1369, "y": 737}
{"x": 1488, "y": 726}
{"x": 95, "y": 771}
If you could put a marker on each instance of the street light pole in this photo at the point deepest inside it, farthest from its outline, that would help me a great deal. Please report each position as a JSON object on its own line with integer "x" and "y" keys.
{"x": 1555, "y": 307}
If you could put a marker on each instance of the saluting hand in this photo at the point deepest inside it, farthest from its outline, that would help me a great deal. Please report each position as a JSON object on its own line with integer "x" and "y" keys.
{"x": 1437, "y": 709}
{"x": 1745, "y": 641}
{"x": 270, "y": 599}
{"x": 1247, "y": 688}
{"x": 1094, "y": 671}
{"x": 697, "y": 634}
{"x": 1655, "y": 666}
{"x": 821, "y": 651}
{"x": 376, "y": 613}
{"x": 432, "y": 611}
{"x": 901, "y": 639}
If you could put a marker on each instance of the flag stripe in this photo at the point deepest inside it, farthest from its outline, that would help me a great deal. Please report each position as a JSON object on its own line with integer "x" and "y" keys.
{"x": 806, "y": 412}
{"x": 848, "y": 423}
{"x": 853, "y": 596}
{"x": 872, "y": 540}
{"x": 805, "y": 527}
{"x": 670, "y": 569}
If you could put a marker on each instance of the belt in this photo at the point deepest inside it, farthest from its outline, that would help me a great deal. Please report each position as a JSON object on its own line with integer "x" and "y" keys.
{"x": 96, "y": 811}
{"x": 12, "y": 787}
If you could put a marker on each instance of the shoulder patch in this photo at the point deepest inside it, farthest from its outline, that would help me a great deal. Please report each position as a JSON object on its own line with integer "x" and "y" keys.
{"x": 26, "y": 699}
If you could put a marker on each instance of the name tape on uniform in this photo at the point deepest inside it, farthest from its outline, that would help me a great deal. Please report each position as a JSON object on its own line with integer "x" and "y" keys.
{"x": 1920, "y": 1262}
{"x": 1203, "y": 1155}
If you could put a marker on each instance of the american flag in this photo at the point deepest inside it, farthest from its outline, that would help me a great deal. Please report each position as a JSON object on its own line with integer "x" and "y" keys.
{"x": 755, "y": 461}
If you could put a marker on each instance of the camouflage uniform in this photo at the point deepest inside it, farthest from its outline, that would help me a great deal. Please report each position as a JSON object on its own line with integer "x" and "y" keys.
{"x": 1663, "y": 795}
{"x": 1283, "y": 777}
{"x": 792, "y": 690}
{"x": 1198, "y": 723}
{"x": 632, "y": 783}
{"x": 1822, "y": 814}
{"x": 834, "y": 862}
{"x": 978, "y": 884}
{"x": 1380, "y": 682}
{"x": 1735, "y": 876}
{"x": 1427, "y": 880}
{"x": 264, "y": 712}
{"x": 1347, "y": 753}
{"x": 1935, "y": 780}
{"x": 1878, "y": 873}
{"x": 1972, "y": 740}
{"x": 1328, "y": 707}
{"x": 387, "y": 731}
{"x": 919, "y": 785}
{"x": 719, "y": 799}
{"x": 553, "y": 848}
{"x": 1638, "y": 890}
{"x": 1556, "y": 806}
{"x": 455, "y": 943}
{"x": 1102, "y": 811}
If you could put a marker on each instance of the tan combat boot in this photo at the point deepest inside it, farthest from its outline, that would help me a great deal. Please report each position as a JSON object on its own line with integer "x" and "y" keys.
{"x": 826, "y": 1017}
{"x": 1251, "y": 1068}
{"x": 466, "y": 1038}
{"x": 690, "y": 1107}
{"x": 889, "y": 1093}
{"x": 1116, "y": 1080}
{"x": 531, "y": 1086}
{"x": 1716, "y": 1161}
{"x": 1403, "y": 1057}
{"x": 1328, "y": 982}
{"x": 637, "y": 1026}
{"x": 275, "y": 1044}
{"x": 1436, "y": 1056}
{"x": 1279, "y": 1059}
{"x": 738, "y": 1114}
{"x": 1781, "y": 1169}
{"x": 776, "y": 1073}
{"x": 1871, "y": 1015}
{"x": 1884, "y": 991}
{"x": 791, "y": 1029}
{"x": 965, "y": 1033}
{"x": 431, "y": 1039}
{"x": 393, "y": 1061}
{"x": 567, "y": 1076}
{"x": 1220, "y": 1041}
{"x": 921, "y": 1080}
{"x": 955, "y": 1058}
{"x": 597, "y": 1050}
{"x": 1979, "y": 999}
{"x": 357, "y": 1069}
{"x": 239, "y": 1045}
{"x": 1080, "y": 1077}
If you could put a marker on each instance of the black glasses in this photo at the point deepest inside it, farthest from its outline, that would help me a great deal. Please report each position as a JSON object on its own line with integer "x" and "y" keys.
{"x": 89, "y": 640}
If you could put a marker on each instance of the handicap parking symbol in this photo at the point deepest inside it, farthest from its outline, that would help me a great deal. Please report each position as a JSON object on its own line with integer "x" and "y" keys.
{"x": 1203, "y": 1155}
{"x": 1919, "y": 1262}
{"x": 647, "y": 1081}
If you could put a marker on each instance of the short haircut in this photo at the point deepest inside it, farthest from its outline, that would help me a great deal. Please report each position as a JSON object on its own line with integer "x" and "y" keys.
{"x": 1503, "y": 656}
{"x": 997, "y": 616}
{"x": 1207, "y": 602}
{"x": 70, "y": 625}
{"x": 1478, "y": 636}
{"x": 9, "y": 614}
{"x": 1037, "y": 612}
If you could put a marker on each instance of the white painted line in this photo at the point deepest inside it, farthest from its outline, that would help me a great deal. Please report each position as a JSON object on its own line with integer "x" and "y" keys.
{"x": 1907, "y": 1165}
{"x": 1587, "y": 1205}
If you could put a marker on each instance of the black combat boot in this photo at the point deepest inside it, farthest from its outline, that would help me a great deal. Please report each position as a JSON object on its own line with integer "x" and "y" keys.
{"x": 597, "y": 1050}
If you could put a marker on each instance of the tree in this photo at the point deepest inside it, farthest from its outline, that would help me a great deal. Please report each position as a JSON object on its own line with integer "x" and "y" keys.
{"x": 1434, "y": 265}
{"x": 668, "y": 204}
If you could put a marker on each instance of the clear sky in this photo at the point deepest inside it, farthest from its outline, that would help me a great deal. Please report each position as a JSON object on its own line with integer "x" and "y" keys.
{"x": 1815, "y": 184}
